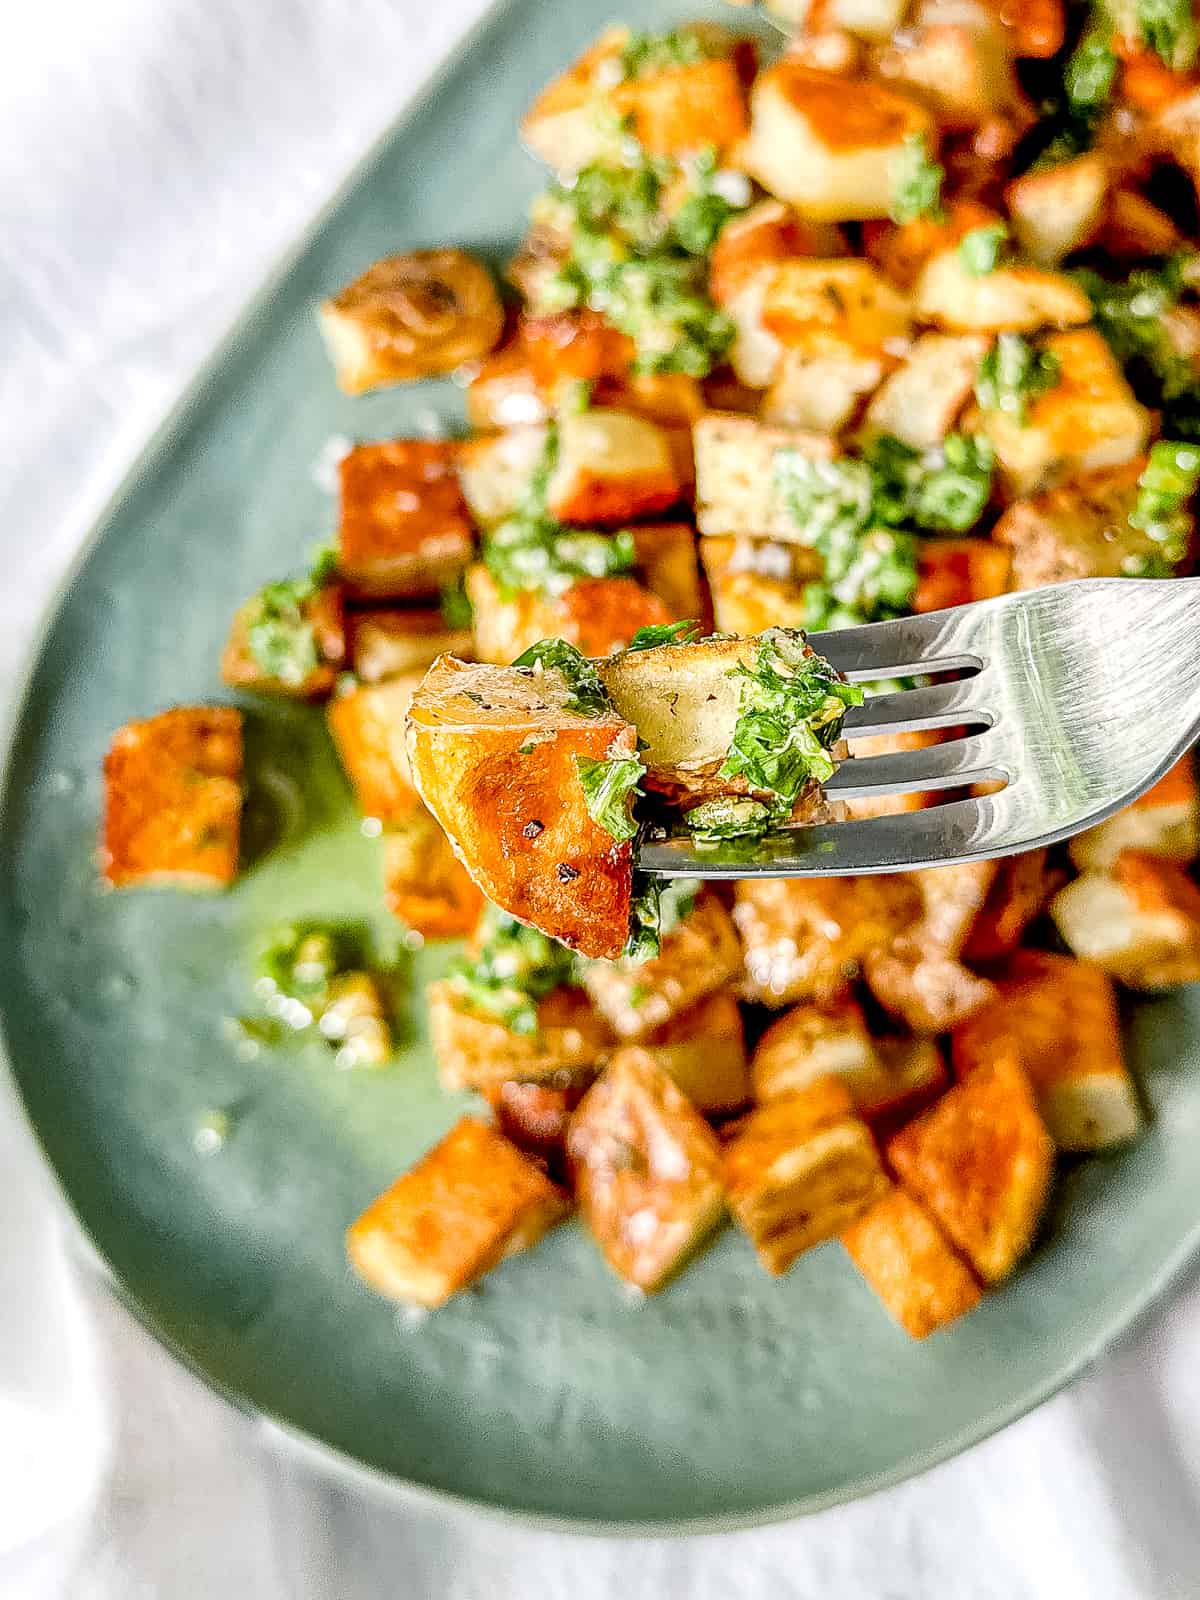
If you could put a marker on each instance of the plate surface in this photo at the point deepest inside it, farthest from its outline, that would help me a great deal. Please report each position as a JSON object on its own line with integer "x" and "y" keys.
{"x": 728, "y": 1399}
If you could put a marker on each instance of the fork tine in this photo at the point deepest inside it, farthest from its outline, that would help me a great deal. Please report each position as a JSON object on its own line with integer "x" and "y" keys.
{"x": 942, "y": 705}
{"x": 902, "y": 648}
{"x": 945, "y": 766}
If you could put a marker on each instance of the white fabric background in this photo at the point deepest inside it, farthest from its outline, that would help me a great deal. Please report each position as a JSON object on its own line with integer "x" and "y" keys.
{"x": 155, "y": 157}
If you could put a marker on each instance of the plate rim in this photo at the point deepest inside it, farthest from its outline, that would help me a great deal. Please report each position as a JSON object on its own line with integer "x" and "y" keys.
{"x": 334, "y": 1463}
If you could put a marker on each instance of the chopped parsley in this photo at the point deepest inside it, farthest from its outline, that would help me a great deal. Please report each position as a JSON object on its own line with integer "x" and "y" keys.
{"x": 513, "y": 968}
{"x": 456, "y": 605}
{"x": 658, "y": 906}
{"x": 609, "y": 789}
{"x": 1014, "y": 373}
{"x": 1164, "y": 490}
{"x": 981, "y": 249}
{"x": 586, "y": 694}
{"x": 280, "y": 637}
{"x": 916, "y": 181}
{"x": 1131, "y": 315}
{"x": 311, "y": 976}
{"x": 1090, "y": 75}
{"x": 647, "y": 53}
{"x": 729, "y": 817}
{"x": 656, "y": 634}
{"x": 791, "y": 709}
{"x": 943, "y": 490}
{"x": 1169, "y": 28}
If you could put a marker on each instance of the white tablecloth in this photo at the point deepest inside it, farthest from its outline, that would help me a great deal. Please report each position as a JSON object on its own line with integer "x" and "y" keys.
{"x": 155, "y": 156}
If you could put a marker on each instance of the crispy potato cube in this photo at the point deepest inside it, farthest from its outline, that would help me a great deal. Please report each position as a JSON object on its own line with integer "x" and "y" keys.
{"x": 1141, "y": 923}
{"x": 821, "y": 392}
{"x": 697, "y": 958}
{"x": 411, "y": 316}
{"x": 425, "y": 884}
{"x": 1164, "y": 822}
{"x": 682, "y": 110}
{"x": 1008, "y": 299}
{"x": 920, "y": 402}
{"x": 495, "y": 471}
{"x": 562, "y": 127}
{"x": 868, "y": 19}
{"x": 389, "y": 644}
{"x": 1035, "y": 27}
{"x": 1058, "y": 1018}
{"x": 367, "y": 728}
{"x": 173, "y": 800}
{"x": 665, "y": 553}
{"x": 736, "y": 492}
{"x": 403, "y": 529}
{"x": 1058, "y": 210}
{"x": 535, "y": 1117}
{"x": 1133, "y": 228}
{"x": 1080, "y": 530}
{"x": 902, "y": 250}
{"x": 799, "y": 1170}
{"x": 811, "y": 1042}
{"x": 981, "y": 1160}
{"x": 506, "y": 392}
{"x": 703, "y": 1051}
{"x": 962, "y": 71}
{"x": 324, "y": 614}
{"x": 757, "y": 584}
{"x": 757, "y": 239}
{"x": 467, "y": 1204}
{"x": 1089, "y": 420}
{"x": 1020, "y": 892}
{"x": 827, "y": 149}
{"x": 955, "y": 572}
{"x": 911, "y": 1265}
{"x": 493, "y": 752}
{"x": 597, "y": 615}
{"x": 476, "y": 1051}
{"x": 918, "y": 977}
{"x": 647, "y": 1170}
{"x": 804, "y": 938}
{"x": 843, "y": 310}
{"x": 886, "y": 744}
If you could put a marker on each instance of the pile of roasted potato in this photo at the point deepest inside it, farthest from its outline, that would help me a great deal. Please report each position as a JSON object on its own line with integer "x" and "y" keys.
{"x": 900, "y": 319}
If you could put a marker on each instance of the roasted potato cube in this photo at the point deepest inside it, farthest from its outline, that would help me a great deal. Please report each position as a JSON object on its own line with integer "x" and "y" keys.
{"x": 804, "y": 938}
{"x": 826, "y": 148}
{"x": 981, "y": 1160}
{"x": 467, "y": 1204}
{"x": 1058, "y": 1018}
{"x": 819, "y": 392}
{"x": 868, "y": 19}
{"x": 1081, "y": 530}
{"x": 535, "y": 1117}
{"x": 1133, "y": 228}
{"x": 684, "y": 109}
{"x": 811, "y": 1042}
{"x": 736, "y": 491}
{"x": 495, "y": 471}
{"x": 647, "y": 1170}
{"x": 902, "y": 250}
{"x": 493, "y": 752}
{"x": 506, "y": 391}
{"x": 918, "y": 977}
{"x": 920, "y": 402}
{"x": 911, "y": 1265}
{"x": 597, "y": 615}
{"x": 403, "y": 530}
{"x": 799, "y": 1170}
{"x": 1020, "y": 891}
{"x": 698, "y": 957}
{"x": 1058, "y": 209}
{"x": 1008, "y": 299}
{"x": 758, "y": 239}
{"x": 886, "y": 744}
{"x": 1164, "y": 822}
{"x": 1035, "y": 27}
{"x": 411, "y": 316}
{"x": 1141, "y": 923}
{"x": 843, "y": 310}
{"x": 476, "y": 1051}
{"x": 757, "y": 584}
{"x": 961, "y": 70}
{"x": 955, "y": 572}
{"x": 367, "y": 727}
{"x": 425, "y": 884}
{"x": 322, "y": 617}
{"x": 703, "y": 1051}
{"x": 665, "y": 553}
{"x": 389, "y": 644}
{"x": 173, "y": 800}
{"x": 1089, "y": 419}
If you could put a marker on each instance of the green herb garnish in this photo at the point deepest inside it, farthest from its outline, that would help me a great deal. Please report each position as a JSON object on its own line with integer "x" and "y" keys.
{"x": 609, "y": 790}
{"x": 1090, "y": 74}
{"x": 1131, "y": 316}
{"x": 514, "y": 967}
{"x": 586, "y": 694}
{"x": 916, "y": 180}
{"x": 656, "y": 634}
{"x": 647, "y": 53}
{"x": 729, "y": 817}
{"x": 658, "y": 906}
{"x": 981, "y": 249}
{"x": 456, "y": 605}
{"x": 1169, "y": 28}
{"x": 1164, "y": 490}
{"x": 280, "y": 638}
{"x": 1013, "y": 374}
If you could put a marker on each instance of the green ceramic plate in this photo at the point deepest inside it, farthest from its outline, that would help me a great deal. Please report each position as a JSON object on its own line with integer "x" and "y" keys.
{"x": 546, "y": 1392}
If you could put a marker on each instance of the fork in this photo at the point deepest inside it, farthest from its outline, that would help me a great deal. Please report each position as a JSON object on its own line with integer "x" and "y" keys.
{"x": 1076, "y": 698}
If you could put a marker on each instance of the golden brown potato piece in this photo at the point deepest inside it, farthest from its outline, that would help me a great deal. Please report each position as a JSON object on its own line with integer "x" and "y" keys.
{"x": 821, "y": 392}
{"x": 425, "y": 884}
{"x": 757, "y": 239}
{"x": 842, "y": 309}
{"x": 535, "y": 1117}
{"x": 403, "y": 529}
{"x": 804, "y": 938}
{"x": 1058, "y": 1018}
{"x": 411, "y": 316}
{"x": 886, "y": 744}
{"x": 1164, "y": 822}
{"x": 367, "y": 727}
{"x": 811, "y": 1042}
{"x": 704, "y": 1053}
{"x": 596, "y": 615}
{"x": 1141, "y": 923}
{"x": 467, "y": 1204}
{"x": 647, "y": 1170}
{"x": 911, "y": 1265}
{"x": 389, "y": 644}
{"x": 956, "y": 572}
{"x": 736, "y": 491}
{"x": 918, "y": 977}
{"x": 1058, "y": 209}
{"x": 757, "y": 584}
{"x": 1020, "y": 892}
{"x": 665, "y": 553}
{"x": 902, "y": 250}
{"x": 981, "y": 1160}
{"x": 324, "y": 615}
{"x": 1080, "y": 530}
{"x": 958, "y": 66}
{"x": 476, "y": 1051}
{"x": 698, "y": 957}
{"x": 921, "y": 400}
{"x": 798, "y": 1170}
{"x": 173, "y": 800}
{"x": 1008, "y": 299}
{"x": 1036, "y": 26}
{"x": 493, "y": 752}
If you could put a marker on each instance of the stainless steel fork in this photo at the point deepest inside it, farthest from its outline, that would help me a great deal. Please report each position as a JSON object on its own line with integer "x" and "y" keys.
{"x": 1077, "y": 699}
